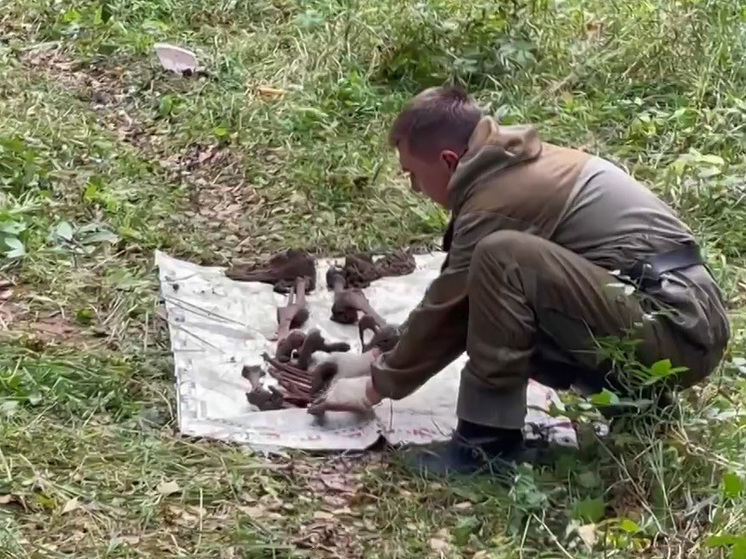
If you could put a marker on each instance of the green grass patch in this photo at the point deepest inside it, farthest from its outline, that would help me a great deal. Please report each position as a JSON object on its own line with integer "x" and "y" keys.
{"x": 105, "y": 158}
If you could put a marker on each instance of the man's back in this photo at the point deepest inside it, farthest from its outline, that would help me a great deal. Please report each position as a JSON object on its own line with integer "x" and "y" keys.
{"x": 589, "y": 206}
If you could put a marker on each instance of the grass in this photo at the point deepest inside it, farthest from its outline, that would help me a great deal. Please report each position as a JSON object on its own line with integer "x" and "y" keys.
{"x": 104, "y": 158}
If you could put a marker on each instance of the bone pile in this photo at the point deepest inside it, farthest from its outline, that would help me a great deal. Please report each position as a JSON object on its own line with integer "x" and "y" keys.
{"x": 301, "y": 377}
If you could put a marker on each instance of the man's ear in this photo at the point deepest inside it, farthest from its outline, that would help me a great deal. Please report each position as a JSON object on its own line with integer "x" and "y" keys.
{"x": 450, "y": 158}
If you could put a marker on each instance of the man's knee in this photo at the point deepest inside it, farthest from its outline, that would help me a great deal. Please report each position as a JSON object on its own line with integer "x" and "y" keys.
{"x": 504, "y": 249}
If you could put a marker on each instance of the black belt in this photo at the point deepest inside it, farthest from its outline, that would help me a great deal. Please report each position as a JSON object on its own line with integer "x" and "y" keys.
{"x": 649, "y": 270}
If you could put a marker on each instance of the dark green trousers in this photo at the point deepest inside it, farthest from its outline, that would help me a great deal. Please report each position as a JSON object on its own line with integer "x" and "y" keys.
{"x": 537, "y": 310}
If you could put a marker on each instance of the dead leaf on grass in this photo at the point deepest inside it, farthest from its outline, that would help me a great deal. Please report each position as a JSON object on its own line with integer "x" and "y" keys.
{"x": 259, "y": 512}
{"x": 167, "y": 488}
{"x": 338, "y": 482}
{"x": 440, "y": 546}
{"x": 71, "y": 505}
{"x": 55, "y": 326}
{"x": 441, "y": 543}
{"x": 267, "y": 92}
{"x": 181, "y": 516}
{"x": 587, "y": 533}
{"x": 6, "y": 290}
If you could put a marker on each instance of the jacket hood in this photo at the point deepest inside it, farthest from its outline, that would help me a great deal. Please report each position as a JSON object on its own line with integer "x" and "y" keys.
{"x": 492, "y": 148}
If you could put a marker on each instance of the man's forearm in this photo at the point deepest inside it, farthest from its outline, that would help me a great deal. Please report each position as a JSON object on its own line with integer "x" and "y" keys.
{"x": 434, "y": 335}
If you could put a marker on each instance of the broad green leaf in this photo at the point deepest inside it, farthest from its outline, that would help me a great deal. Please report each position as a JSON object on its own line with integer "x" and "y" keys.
{"x": 71, "y": 16}
{"x": 8, "y": 407}
{"x": 724, "y": 540}
{"x": 465, "y": 528}
{"x": 660, "y": 368}
{"x": 100, "y": 237}
{"x": 84, "y": 316}
{"x": 711, "y": 159}
{"x": 64, "y": 231}
{"x": 709, "y": 172}
{"x": 589, "y": 510}
{"x": 605, "y": 398}
{"x": 16, "y": 247}
{"x": 732, "y": 485}
{"x": 629, "y": 526}
{"x": 589, "y": 480}
{"x": 12, "y": 227}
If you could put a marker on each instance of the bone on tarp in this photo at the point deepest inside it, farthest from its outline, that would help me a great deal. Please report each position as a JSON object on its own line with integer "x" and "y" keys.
{"x": 360, "y": 270}
{"x": 385, "y": 336}
{"x": 295, "y": 313}
{"x": 295, "y": 378}
{"x": 281, "y": 270}
{"x": 315, "y": 342}
{"x": 296, "y": 382}
{"x": 287, "y": 345}
{"x": 262, "y": 398}
{"x": 347, "y": 302}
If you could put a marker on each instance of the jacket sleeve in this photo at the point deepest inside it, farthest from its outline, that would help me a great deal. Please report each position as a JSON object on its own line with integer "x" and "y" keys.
{"x": 434, "y": 334}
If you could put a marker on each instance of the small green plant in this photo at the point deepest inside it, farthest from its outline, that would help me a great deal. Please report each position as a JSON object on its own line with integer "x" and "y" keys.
{"x": 443, "y": 41}
{"x": 22, "y": 170}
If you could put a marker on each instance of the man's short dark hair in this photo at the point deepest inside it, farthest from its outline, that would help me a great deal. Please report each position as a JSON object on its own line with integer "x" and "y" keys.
{"x": 436, "y": 119}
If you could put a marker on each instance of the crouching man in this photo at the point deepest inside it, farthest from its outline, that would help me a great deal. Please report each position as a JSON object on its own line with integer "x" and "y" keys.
{"x": 549, "y": 251}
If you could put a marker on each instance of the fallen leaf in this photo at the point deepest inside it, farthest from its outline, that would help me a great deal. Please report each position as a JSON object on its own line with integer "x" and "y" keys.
{"x": 6, "y": 316}
{"x": 166, "y": 488}
{"x": 587, "y": 533}
{"x": 322, "y": 515}
{"x": 55, "y": 326}
{"x": 205, "y": 155}
{"x": 267, "y": 92}
{"x": 175, "y": 59}
{"x": 259, "y": 512}
{"x": 180, "y": 516}
{"x": 71, "y": 505}
{"x": 335, "y": 501}
{"x": 466, "y": 505}
{"x": 439, "y": 545}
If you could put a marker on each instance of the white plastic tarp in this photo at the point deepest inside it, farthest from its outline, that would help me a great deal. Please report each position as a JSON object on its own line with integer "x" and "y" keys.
{"x": 218, "y": 325}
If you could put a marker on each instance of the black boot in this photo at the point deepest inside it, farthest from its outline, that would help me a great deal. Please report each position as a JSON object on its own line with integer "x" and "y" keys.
{"x": 472, "y": 449}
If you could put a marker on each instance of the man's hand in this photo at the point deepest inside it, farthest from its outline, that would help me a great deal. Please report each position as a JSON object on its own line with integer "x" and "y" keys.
{"x": 352, "y": 388}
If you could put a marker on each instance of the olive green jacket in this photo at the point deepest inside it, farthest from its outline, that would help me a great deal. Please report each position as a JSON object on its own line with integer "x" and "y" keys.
{"x": 510, "y": 179}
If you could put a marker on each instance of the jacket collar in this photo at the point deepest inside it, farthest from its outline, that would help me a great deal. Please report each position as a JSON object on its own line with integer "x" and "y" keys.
{"x": 491, "y": 149}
